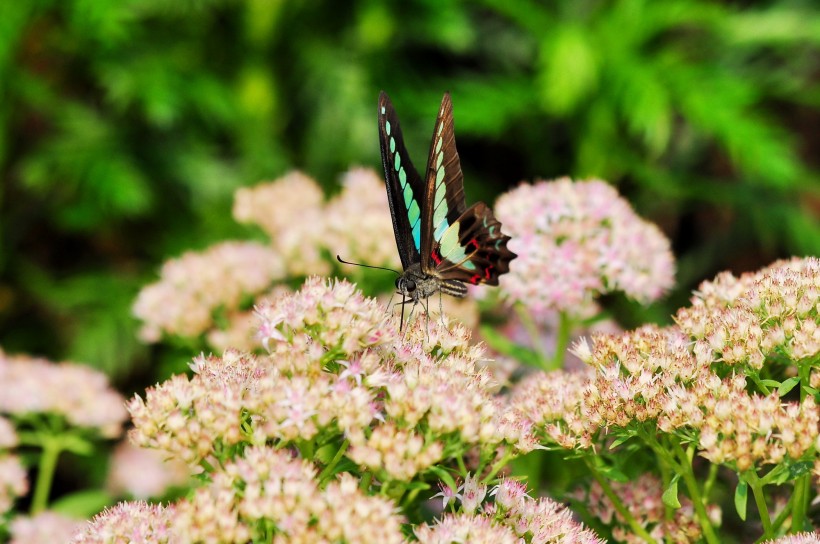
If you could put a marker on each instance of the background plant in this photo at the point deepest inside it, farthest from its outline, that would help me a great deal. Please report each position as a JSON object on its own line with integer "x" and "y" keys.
{"x": 127, "y": 126}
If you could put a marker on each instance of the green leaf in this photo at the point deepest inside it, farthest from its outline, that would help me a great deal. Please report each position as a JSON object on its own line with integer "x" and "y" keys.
{"x": 326, "y": 453}
{"x": 82, "y": 504}
{"x": 611, "y": 472}
{"x": 770, "y": 383}
{"x": 620, "y": 440}
{"x": 505, "y": 346}
{"x": 741, "y": 498}
{"x": 787, "y": 386}
{"x": 444, "y": 475}
{"x": 800, "y": 469}
{"x": 670, "y": 495}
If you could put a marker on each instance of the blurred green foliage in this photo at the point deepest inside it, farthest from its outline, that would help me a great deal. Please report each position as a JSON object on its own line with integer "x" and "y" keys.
{"x": 126, "y": 125}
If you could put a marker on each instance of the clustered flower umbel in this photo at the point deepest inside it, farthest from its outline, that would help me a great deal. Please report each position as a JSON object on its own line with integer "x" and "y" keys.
{"x": 44, "y": 528}
{"x": 576, "y": 240}
{"x": 336, "y": 364}
{"x": 142, "y": 473}
{"x": 742, "y": 320}
{"x": 514, "y": 517}
{"x": 192, "y": 287}
{"x": 278, "y": 491}
{"x": 293, "y": 213}
{"x": 13, "y": 480}
{"x": 799, "y": 538}
{"x": 643, "y": 499}
{"x": 78, "y": 393}
{"x": 668, "y": 376}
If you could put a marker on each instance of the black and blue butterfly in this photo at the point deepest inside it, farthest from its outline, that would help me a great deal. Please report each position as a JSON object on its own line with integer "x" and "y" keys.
{"x": 443, "y": 245}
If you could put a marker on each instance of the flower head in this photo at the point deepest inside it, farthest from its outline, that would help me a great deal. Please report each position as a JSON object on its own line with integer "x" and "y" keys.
{"x": 143, "y": 473}
{"x": 642, "y": 498}
{"x": 772, "y": 311}
{"x": 44, "y": 528}
{"x": 13, "y": 481}
{"x": 192, "y": 287}
{"x": 576, "y": 240}
{"x": 282, "y": 491}
{"x": 8, "y": 437}
{"x": 128, "y": 522}
{"x": 358, "y": 221}
{"x": 289, "y": 210}
{"x": 80, "y": 394}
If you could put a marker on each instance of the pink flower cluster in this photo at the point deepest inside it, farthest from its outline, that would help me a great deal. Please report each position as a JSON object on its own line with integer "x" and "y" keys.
{"x": 576, "y": 240}
{"x": 661, "y": 377}
{"x": 514, "y": 517}
{"x": 337, "y": 365}
{"x": 799, "y": 538}
{"x": 643, "y": 499}
{"x": 194, "y": 286}
{"x": 142, "y": 473}
{"x": 743, "y": 320}
{"x": 44, "y": 528}
{"x": 280, "y": 502}
{"x": 78, "y": 393}
{"x": 13, "y": 481}
{"x": 291, "y": 210}
{"x": 129, "y": 522}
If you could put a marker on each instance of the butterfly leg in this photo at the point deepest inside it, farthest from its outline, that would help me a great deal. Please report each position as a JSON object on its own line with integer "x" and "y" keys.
{"x": 389, "y": 303}
{"x": 441, "y": 309}
{"x": 427, "y": 317}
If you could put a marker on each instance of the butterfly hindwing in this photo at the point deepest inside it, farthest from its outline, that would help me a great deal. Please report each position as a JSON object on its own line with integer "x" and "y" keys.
{"x": 405, "y": 189}
{"x": 473, "y": 248}
{"x": 444, "y": 187}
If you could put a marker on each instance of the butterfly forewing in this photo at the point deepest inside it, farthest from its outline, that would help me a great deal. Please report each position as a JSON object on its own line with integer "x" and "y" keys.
{"x": 444, "y": 184}
{"x": 405, "y": 189}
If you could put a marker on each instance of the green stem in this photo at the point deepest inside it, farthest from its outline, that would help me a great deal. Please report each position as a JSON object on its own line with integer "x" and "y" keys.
{"x": 561, "y": 340}
{"x": 760, "y": 385}
{"x": 801, "y": 503}
{"x": 784, "y": 514}
{"x": 328, "y": 470}
{"x": 618, "y": 505}
{"x": 760, "y": 501}
{"x": 804, "y": 373}
{"x": 462, "y": 468}
{"x": 685, "y": 466}
{"x": 710, "y": 481}
{"x": 498, "y": 465}
{"x": 45, "y": 474}
{"x": 534, "y": 334}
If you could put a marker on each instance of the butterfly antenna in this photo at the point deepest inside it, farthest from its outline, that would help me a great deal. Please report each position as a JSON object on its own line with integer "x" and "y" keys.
{"x": 368, "y": 266}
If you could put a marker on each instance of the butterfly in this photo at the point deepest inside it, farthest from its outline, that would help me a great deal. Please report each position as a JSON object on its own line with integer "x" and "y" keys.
{"x": 442, "y": 243}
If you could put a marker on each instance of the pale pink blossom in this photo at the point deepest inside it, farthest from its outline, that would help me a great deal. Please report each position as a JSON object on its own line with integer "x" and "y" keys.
{"x": 143, "y": 473}
{"x": 290, "y": 211}
{"x": 577, "y": 240}
{"x": 358, "y": 223}
{"x": 192, "y": 287}
{"x": 129, "y": 522}
{"x": 79, "y": 393}
{"x": 8, "y": 436}
{"x": 13, "y": 481}
{"x": 44, "y": 528}
{"x": 643, "y": 499}
{"x": 799, "y": 538}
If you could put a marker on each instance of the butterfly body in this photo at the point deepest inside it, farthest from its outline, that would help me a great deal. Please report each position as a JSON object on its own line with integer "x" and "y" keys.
{"x": 443, "y": 245}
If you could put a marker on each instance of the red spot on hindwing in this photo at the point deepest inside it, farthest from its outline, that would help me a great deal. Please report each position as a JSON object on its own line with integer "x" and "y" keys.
{"x": 474, "y": 242}
{"x": 487, "y": 272}
{"x": 436, "y": 256}
{"x": 475, "y": 279}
